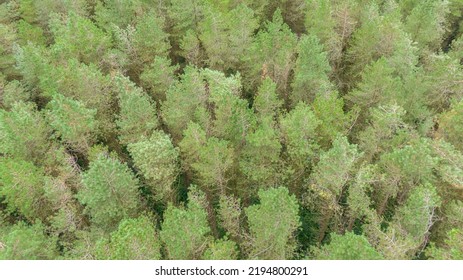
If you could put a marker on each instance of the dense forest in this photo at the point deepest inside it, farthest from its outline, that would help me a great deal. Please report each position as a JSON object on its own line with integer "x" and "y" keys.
{"x": 231, "y": 129}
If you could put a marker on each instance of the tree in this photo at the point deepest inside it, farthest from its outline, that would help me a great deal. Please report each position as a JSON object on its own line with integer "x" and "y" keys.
{"x": 143, "y": 42}
{"x": 348, "y": 246}
{"x": 134, "y": 239}
{"x": 73, "y": 122}
{"x": 21, "y": 186}
{"x": 222, "y": 249}
{"x": 328, "y": 109}
{"x": 451, "y": 123}
{"x": 184, "y": 230}
{"x": 109, "y": 193}
{"x": 272, "y": 224}
{"x": 24, "y": 133}
{"x": 183, "y": 100}
{"x": 84, "y": 83}
{"x": 77, "y": 37}
{"x": 272, "y": 55}
{"x": 23, "y": 242}
{"x": 452, "y": 250}
{"x": 310, "y": 72}
{"x": 137, "y": 118}
{"x": 7, "y": 61}
{"x": 158, "y": 77}
{"x": 13, "y": 92}
{"x": 379, "y": 86}
{"x": 329, "y": 179}
{"x": 426, "y": 23}
{"x": 267, "y": 104}
{"x": 214, "y": 165}
{"x": 260, "y": 157}
{"x": 157, "y": 160}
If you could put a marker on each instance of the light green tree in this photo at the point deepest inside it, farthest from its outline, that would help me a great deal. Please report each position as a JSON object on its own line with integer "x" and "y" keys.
{"x": 272, "y": 225}
{"x": 348, "y": 246}
{"x": 185, "y": 230}
{"x": 134, "y": 239}
{"x": 157, "y": 160}
{"x": 109, "y": 192}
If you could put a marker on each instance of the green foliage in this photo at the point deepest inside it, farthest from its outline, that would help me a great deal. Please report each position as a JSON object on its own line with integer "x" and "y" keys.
{"x": 23, "y": 132}
{"x": 184, "y": 230}
{"x": 426, "y": 23}
{"x": 21, "y": 186}
{"x": 272, "y": 55}
{"x": 451, "y": 125}
{"x": 221, "y": 250}
{"x": 110, "y": 109}
{"x": 79, "y": 38}
{"x": 310, "y": 72}
{"x": 74, "y": 124}
{"x": 272, "y": 224}
{"x": 23, "y": 242}
{"x": 328, "y": 109}
{"x": 157, "y": 160}
{"x": 215, "y": 160}
{"x": 142, "y": 43}
{"x": 348, "y": 246}
{"x": 260, "y": 157}
{"x": 136, "y": 108}
{"x": 183, "y": 100}
{"x": 158, "y": 77}
{"x": 8, "y": 37}
{"x": 109, "y": 193}
{"x": 452, "y": 249}
{"x": 13, "y": 92}
{"x": 134, "y": 239}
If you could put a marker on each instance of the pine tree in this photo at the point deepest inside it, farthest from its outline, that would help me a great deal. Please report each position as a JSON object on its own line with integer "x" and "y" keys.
{"x": 184, "y": 230}
{"x": 109, "y": 193}
{"x": 310, "y": 72}
{"x": 272, "y": 224}
{"x": 157, "y": 160}
{"x": 134, "y": 239}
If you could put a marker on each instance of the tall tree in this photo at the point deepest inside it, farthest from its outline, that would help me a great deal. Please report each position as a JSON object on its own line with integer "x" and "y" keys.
{"x": 272, "y": 224}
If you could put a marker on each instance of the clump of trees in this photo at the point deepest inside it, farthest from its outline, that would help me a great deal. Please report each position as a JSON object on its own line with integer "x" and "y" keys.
{"x": 287, "y": 129}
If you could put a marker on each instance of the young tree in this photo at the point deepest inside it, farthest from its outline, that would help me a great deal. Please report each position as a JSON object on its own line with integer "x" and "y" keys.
{"x": 451, "y": 124}
{"x": 109, "y": 193}
{"x": 329, "y": 110}
{"x": 267, "y": 104}
{"x": 143, "y": 42}
{"x": 183, "y": 100}
{"x": 222, "y": 249}
{"x": 21, "y": 186}
{"x": 24, "y": 242}
{"x": 137, "y": 118}
{"x": 157, "y": 160}
{"x": 426, "y": 23}
{"x": 24, "y": 133}
{"x": 452, "y": 249}
{"x": 74, "y": 124}
{"x": 8, "y": 37}
{"x": 348, "y": 246}
{"x": 134, "y": 239}
{"x": 329, "y": 179}
{"x": 260, "y": 157}
{"x": 214, "y": 165}
{"x": 272, "y": 55}
{"x": 184, "y": 230}
{"x": 158, "y": 77}
{"x": 298, "y": 129}
{"x": 310, "y": 72}
{"x": 77, "y": 37}
{"x": 272, "y": 224}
